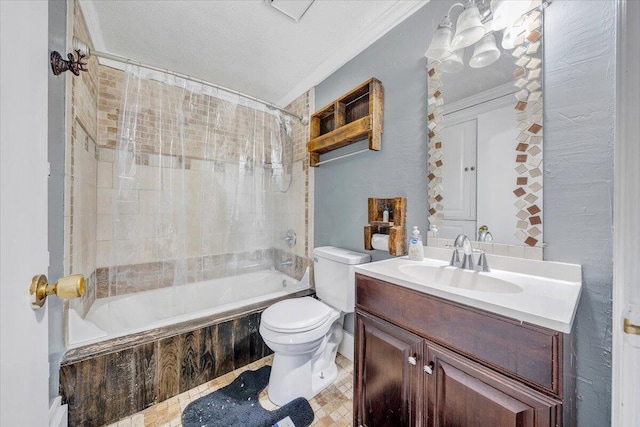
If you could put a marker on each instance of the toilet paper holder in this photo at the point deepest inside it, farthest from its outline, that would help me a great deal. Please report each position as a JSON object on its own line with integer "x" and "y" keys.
{"x": 395, "y": 227}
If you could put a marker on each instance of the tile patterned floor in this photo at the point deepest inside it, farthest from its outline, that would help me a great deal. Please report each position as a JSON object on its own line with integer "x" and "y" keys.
{"x": 332, "y": 407}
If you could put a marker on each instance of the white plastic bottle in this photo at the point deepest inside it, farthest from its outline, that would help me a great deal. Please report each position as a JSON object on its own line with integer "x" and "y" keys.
{"x": 416, "y": 249}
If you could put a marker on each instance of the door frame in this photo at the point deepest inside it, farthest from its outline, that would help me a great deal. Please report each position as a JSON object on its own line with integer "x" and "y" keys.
{"x": 626, "y": 232}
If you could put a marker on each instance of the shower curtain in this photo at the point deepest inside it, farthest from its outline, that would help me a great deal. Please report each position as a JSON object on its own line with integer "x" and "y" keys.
{"x": 196, "y": 177}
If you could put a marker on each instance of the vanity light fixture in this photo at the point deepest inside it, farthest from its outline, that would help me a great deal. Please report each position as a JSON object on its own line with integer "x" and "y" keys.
{"x": 448, "y": 48}
{"x": 474, "y": 27}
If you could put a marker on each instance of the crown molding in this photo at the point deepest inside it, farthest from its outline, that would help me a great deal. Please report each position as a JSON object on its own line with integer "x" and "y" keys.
{"x": 397, "y": 13}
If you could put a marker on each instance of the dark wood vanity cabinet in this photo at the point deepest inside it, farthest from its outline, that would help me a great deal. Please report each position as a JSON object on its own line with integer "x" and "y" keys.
{"x": 412, "y": 368}
{"x": 388, "y": 359}
{"x": 460, "y": 392}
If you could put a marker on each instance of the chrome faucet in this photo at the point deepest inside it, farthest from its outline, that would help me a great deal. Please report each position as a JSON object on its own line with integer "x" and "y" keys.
{"x": 466, "y": 259}
{"x": 484, "y": 235}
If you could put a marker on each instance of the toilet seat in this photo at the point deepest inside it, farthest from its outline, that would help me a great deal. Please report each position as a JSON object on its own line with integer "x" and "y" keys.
{"x": 296, "y": 315}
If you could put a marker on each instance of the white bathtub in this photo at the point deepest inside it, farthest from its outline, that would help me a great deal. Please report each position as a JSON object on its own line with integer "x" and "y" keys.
{"x": 127, "y": 314}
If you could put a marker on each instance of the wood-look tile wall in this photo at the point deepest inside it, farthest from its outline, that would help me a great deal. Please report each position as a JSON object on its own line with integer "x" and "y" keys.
{"x": 103, "y": 389}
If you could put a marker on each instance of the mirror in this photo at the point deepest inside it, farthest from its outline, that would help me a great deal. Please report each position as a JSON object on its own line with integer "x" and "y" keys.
{"x": 485, "y": 133}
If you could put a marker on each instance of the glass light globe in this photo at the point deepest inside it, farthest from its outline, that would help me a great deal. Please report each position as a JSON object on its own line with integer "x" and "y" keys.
{"x": 440, "y": 46}
{"x": 469, "y": 28}
{"x": 485, "y": 52}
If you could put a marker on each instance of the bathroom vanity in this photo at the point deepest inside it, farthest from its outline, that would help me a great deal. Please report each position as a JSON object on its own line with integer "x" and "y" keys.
{"x": 424, "y": 359}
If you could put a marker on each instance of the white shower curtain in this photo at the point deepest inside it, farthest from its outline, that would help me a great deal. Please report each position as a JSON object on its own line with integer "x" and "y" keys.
{"x": 195, "y": 174}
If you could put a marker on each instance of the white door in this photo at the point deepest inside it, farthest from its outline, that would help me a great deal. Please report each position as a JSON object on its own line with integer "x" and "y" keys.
{"x": 626, "y": 281}
{"x": 459, "y": 158}
{"x": 24, "y": 399}
{"x": 459, "y": 170}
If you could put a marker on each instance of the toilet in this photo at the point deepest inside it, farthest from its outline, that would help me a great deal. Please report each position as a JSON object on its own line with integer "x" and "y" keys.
{"x": 304, "y": 333}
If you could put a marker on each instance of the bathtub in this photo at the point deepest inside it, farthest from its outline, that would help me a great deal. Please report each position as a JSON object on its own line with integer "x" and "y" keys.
{"x": 122, "y": 315}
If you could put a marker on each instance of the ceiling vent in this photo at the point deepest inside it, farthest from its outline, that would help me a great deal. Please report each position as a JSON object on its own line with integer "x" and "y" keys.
{"x": 293, "y": 9}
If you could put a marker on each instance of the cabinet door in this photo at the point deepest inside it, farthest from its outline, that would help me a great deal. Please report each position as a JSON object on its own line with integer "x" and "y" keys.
{"x": 459, "y": 171}
{"x": 461, "y": 392}
{"x": 388, "y": 364}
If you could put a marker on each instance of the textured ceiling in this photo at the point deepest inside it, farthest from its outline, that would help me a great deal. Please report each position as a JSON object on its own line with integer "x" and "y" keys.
{"x": 244, "y": 44}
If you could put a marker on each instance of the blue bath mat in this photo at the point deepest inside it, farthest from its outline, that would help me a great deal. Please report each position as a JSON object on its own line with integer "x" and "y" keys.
{"x": 237, "y": 405}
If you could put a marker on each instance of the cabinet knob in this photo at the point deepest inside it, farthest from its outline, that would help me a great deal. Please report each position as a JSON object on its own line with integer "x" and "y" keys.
{"x": 412, "y": 360}
{"x": 429, "y": 368}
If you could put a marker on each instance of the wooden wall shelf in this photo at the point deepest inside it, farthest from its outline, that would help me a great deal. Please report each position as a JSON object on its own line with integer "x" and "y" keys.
{"x": 395, "y": 227}
{"x": 354, "y": 116}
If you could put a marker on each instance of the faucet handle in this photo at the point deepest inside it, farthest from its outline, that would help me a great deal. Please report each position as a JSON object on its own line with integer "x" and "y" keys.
{"x": 290, "y": 238}
{"x": 483, "y": 265}
{"x": 455, "y": 258}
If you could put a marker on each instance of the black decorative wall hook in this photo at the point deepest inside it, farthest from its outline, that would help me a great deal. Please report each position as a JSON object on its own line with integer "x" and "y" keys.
{"x": 59, "y": 65}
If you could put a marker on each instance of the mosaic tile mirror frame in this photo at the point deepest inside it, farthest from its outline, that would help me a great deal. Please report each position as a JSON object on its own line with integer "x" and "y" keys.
{"x": 508, "y": 172}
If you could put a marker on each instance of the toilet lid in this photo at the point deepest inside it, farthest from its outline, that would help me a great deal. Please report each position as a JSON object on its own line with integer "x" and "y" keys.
{"x": 296, "y": 315}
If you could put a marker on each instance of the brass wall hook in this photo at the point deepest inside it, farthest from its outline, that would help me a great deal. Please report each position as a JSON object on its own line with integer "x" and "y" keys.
{"x": 59, "y": 65}
{"x": 67, "y": 287}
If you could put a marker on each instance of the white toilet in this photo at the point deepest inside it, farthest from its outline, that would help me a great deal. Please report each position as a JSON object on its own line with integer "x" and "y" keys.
{"x": 304, "y": 333}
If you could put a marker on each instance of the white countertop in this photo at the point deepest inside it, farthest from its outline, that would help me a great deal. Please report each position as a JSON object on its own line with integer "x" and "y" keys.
{"x": 542, "y": 293}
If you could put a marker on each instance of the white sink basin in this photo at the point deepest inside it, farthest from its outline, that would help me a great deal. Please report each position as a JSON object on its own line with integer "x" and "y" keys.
{"x": 459, "y": 278}
{"x": 538, "y": 292}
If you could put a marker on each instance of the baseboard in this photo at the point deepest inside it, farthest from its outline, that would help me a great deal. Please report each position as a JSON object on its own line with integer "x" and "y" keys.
{"x": 347, "y": 345}
{"x": 58, "y": 415}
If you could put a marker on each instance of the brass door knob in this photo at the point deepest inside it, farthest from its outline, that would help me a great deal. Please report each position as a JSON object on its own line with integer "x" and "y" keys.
{"x": 630, "y": 328}
{"x": 66, "y": 287}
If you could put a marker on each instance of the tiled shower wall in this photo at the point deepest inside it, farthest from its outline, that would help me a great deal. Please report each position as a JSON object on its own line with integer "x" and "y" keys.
{"x": 135, "y": 245}
{"x": 80, "y": 173}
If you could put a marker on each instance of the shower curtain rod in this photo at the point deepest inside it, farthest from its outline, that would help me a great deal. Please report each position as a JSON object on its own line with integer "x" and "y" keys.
{"x": 83, "y": 47}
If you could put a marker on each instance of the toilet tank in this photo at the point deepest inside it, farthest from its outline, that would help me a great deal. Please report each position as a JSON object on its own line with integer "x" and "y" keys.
{"x": 334, "y": 276}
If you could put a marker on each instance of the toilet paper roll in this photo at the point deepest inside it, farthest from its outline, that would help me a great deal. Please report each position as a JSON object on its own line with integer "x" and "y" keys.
{"x": 380, "y": 242}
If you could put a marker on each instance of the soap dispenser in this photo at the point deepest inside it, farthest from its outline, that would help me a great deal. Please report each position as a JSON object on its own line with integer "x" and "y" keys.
{"x": 416, "y": 249}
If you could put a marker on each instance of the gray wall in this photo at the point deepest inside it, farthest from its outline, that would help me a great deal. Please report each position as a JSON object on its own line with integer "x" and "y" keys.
{"x": 578, "y": 182}
{"x": 400, "y": 168}
{"x": 57, "y": 41}
{"x": 579, "y": 119}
